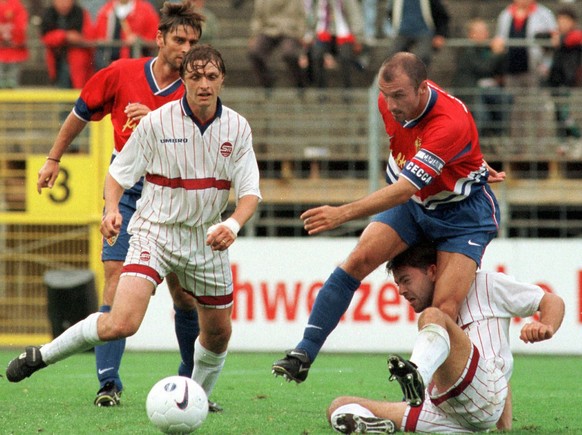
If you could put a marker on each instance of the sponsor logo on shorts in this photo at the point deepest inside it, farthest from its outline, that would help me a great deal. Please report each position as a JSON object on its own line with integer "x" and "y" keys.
{"x": 226, "y": 149}
{"x": 145, "y": 256}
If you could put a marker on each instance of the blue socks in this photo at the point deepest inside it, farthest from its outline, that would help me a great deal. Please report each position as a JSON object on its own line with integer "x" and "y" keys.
{"x": 331, "y": 303}
{"x": 108, "y": 358}
{"x": 187, "y": 330}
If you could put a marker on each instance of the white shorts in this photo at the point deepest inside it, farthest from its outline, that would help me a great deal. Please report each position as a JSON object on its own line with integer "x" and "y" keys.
{"x": 156, "y": 250}
{"x": 473, "y": 404}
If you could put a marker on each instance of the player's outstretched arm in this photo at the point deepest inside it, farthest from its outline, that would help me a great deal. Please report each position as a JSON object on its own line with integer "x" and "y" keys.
{"x": 551, "y": 316}
{"x": 325, "y": 218}
{"x": 49, "y": 172}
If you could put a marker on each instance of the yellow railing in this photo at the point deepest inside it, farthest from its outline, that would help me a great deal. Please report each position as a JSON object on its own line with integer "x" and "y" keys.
{"x": 58, "y": 229}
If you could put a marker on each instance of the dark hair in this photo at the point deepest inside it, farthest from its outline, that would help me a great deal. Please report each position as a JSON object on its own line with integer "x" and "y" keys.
{"x": 173, "y": 15}
{"x": 409, "y": 63}
{"x": 420, "y": 256}
{"x": 205, "y": 53}
{"x": 567, "y": 11}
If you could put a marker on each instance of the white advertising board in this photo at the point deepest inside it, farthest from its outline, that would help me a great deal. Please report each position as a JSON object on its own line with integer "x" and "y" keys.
{"x": 276, "y": 280}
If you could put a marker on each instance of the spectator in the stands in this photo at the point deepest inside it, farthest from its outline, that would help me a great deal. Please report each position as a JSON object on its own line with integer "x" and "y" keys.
{"x": 526, "y": 20}
{"x": 565, "y": 71}
{"x": 210, "y": 26}
{"x": 277, "y": 24}
{"x": 13, "y": 50}
{"x": 128, "y": 22}
{"x": 419, "y": 26}
{"x": 479, "y": 80}
{"x": 532, "y": 23}
{"x": 338, "y": 32}
{"x": 66, "y": 32}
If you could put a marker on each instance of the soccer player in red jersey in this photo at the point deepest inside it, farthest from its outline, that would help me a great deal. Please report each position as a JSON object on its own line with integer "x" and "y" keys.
{"x": 437, "y": 190}
{"x": 127, "y": 90}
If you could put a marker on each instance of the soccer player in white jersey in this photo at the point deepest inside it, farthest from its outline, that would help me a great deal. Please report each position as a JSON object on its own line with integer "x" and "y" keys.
{"x": 191, "y": 151}
{"x": 466, "y": 366}
{"x": 127, "y": 90}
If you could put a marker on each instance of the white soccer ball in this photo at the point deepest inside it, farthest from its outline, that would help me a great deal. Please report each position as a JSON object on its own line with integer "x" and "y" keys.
{"x": 177, "y": 404}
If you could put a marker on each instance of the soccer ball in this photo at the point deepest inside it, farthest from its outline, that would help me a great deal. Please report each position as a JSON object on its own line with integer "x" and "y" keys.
{"x": 177, "y": 404}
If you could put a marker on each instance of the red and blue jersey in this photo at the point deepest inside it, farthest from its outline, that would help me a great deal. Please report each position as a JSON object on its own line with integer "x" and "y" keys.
{"x": 438, "y": 151}
{"x": 123, "y": 82}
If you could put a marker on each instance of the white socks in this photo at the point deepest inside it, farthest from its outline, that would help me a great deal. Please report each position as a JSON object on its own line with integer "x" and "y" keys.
{"x": 431, "y": 349}
{"x": 80, "y": 337}
{"x": 207, "y": 366}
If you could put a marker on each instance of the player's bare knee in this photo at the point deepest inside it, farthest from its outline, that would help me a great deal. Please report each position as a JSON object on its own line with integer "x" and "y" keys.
{"x": 216, "y": 338}
{"x": 360, "y": 264}
{"x": 431, "y": 315}
{"x": 120, "y": 329}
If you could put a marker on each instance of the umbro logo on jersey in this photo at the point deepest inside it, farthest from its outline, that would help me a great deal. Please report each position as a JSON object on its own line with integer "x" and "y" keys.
{"x": 174, "y": 140}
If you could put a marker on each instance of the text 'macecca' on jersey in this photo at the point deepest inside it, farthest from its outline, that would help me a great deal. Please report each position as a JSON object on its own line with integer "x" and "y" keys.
{"x": 123, "y": 82}
{"x": 438, "y": 152}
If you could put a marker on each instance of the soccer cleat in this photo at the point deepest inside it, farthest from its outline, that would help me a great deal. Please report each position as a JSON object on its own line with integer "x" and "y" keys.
{"x": 214, "y": 407}
{"x": 294, "y": 367}
{"x": 108, "y": 395}
{"x": 352, "y": 423}
{"x": 406, "y": 373}
{"x": 25, "y": 365}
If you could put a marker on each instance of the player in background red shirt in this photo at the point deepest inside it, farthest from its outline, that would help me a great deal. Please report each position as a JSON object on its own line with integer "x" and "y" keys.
{"x": 13, "y": 50}
{"x": 127, "y": 90}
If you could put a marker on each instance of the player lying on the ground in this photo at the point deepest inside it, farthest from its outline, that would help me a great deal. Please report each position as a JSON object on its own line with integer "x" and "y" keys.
{"x": 465, "y": 366}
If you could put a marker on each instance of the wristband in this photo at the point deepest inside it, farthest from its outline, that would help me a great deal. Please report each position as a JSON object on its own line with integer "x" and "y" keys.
{"x": 230, "y": 223}
{"x": 53, "y": 159}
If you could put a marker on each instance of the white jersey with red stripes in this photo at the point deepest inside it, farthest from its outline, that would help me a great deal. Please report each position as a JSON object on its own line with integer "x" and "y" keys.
{"x": 189, "y": 168}
{"x": 476, "y": 401}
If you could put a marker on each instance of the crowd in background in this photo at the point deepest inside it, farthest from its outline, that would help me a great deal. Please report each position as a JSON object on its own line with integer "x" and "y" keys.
{"x": 313, "y": 37}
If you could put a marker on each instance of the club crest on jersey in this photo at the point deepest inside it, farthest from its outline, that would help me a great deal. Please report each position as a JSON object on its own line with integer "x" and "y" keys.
{"x": 226, "y": 149}
{"x": 145, "y": 256}
{"x": 400, "y": 160}
{"x": 418, "y": 143}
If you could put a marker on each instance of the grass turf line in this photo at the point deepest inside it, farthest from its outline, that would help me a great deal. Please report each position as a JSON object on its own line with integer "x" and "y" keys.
{"x": 59, "y": 399}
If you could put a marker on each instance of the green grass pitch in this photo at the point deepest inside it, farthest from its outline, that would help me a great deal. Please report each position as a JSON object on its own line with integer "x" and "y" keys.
{"x": 59, "y": 399}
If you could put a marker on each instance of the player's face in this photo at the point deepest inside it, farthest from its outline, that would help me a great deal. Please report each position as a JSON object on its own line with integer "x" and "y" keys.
{"x": 404, "y": 101}
{"x": 203, "y": 82}
{"x": 175, "y": 44}
{"x": 416, "y": 285}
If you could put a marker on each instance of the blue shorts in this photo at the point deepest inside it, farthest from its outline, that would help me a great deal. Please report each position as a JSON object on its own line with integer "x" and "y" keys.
{"x": 118, "y": 251}
{"x": 464, "y": 227}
